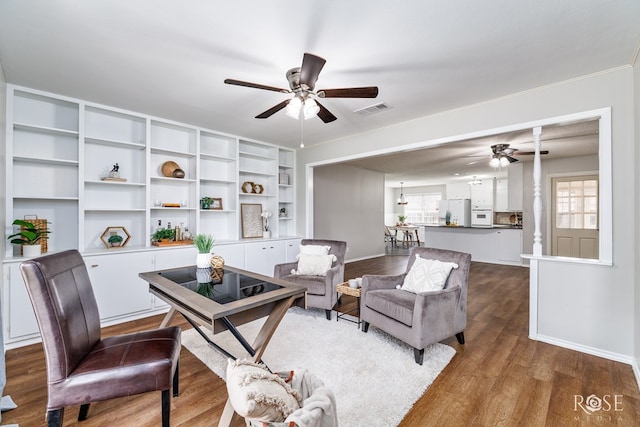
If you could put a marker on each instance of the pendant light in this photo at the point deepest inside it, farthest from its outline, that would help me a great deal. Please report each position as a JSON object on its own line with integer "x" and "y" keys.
{"x": 402, "y": 200}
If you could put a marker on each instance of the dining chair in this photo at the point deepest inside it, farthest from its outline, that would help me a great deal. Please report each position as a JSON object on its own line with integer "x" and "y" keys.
{"x": 83, "y": 367}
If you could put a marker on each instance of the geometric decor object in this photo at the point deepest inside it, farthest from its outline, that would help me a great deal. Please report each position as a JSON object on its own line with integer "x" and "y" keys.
{"x": 115, "y": 237}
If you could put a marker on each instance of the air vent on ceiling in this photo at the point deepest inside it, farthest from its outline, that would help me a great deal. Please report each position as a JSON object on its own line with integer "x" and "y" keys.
{"x": 373, "y": 109}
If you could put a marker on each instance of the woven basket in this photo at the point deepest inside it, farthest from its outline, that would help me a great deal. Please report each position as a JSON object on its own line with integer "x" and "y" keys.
{"x": 40, "y": 224}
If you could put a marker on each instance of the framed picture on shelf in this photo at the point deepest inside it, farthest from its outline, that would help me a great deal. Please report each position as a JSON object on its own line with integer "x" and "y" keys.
{"x": 251, "y": 220}
{"x": 216, "y": 204}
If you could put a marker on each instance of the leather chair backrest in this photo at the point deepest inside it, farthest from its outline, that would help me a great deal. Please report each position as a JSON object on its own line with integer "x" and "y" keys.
{"x": 65, "y": 307}
{"x": 338, "y": 248}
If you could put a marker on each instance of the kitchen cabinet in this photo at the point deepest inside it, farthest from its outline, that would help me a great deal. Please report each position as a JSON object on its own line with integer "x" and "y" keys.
{"x": 458, "y": 190}
{"x": 515, "y": 187}
{"x": 482, "y": 195}
{"x": 502, "y": 196}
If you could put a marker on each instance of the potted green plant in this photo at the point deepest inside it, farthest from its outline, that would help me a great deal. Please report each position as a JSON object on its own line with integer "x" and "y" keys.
{"x": 163, "y": 234}
{"x": 115, "y": 240}
{"x": 283, "y": 212}
{"x": 206, "y": 202}
{"x": 401, "y": 219}
{"x": 29, "y": 237}
{"x": 203, "y": 243}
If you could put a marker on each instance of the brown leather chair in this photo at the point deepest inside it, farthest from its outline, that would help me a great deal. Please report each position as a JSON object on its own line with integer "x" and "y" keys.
{"x": 418, "y": 319}
{"x": 321, "y": 290}
{"x": 81, "y": 366}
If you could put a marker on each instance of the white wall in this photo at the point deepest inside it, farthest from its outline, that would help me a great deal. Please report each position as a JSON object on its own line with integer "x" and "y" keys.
{"x": 3, "y": 134}
{"x": 348, "y": 205}
{"x": 614, "y": 285}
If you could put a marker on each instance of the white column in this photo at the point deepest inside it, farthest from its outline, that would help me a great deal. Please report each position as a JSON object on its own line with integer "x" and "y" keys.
{"x": 537, "y": 193}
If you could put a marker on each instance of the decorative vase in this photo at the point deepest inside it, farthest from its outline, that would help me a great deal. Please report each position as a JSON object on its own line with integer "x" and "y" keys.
{"x": 203, "y": 260}
{"x": 266, "y": 234}
{"x": 31, "y": 251}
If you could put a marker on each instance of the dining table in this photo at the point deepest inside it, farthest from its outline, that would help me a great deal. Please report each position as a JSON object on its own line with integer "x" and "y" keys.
{"x": 408, "y": 231}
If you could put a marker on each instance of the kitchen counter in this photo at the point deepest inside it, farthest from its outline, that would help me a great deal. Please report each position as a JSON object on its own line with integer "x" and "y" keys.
{"x": 500, "y": 244}
{"x": 459, "y": 227}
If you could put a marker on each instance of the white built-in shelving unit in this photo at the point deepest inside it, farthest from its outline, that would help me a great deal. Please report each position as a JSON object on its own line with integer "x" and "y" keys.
{"x": 57, "y": 152}
{"x": 59, "y": 149}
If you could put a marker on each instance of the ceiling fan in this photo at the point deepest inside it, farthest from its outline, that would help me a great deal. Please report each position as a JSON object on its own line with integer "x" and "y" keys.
{"x": 503, "y": 154}
{"x": 302, "y": 81}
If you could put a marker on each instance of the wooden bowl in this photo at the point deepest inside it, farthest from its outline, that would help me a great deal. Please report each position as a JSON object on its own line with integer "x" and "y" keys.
{"x": 168, "y": 168}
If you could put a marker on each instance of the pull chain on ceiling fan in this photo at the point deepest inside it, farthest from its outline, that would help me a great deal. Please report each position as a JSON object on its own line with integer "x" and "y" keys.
{"x": 302, "y": 81}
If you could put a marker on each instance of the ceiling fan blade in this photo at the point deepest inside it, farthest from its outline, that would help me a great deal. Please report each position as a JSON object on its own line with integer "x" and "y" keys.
{"x": 255, "y": 85}
{"x": 324, "y": 114}
{"x": 310, "y": 70}
{"x": 351, "y": 92}
{"x": 271, "y": 111}
{"x": 532, "y": 152}
{"x": 511, "y": 159}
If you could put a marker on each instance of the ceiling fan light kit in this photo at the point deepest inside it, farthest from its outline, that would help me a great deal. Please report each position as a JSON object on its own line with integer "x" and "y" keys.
{"x": 302, "y": 81}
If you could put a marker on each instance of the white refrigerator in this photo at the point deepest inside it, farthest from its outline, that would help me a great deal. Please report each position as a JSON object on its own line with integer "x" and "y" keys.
{"x": 459, "y": 210}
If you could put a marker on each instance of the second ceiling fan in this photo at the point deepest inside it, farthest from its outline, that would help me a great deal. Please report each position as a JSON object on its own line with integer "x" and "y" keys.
{"x": 302, "y": 81}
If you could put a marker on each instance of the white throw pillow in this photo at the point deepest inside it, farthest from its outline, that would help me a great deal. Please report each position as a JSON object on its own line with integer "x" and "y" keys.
{"x": 314, "y": 249}
{"x": 258, "y": 394}
{"x": 427, "y": 275}
{"x": 314, "y": 265}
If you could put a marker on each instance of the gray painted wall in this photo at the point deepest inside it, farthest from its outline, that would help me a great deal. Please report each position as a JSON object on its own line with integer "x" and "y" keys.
{"x": 348, "y": 205}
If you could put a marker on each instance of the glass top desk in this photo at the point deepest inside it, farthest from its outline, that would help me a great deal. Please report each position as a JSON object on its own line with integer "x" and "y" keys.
{"x": 223, "y": 299}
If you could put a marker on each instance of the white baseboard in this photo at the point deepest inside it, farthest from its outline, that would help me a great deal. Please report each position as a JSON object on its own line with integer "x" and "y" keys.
{"x": 588, "y": 350}
{"x": 636, "y": 371}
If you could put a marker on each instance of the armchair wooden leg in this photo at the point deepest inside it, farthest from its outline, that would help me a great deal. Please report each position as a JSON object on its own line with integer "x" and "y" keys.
{"x": 55, "y": 417}
{"x": 460, "y": 337}
{"x": 176, "y": 387}
{"x": 328, "y": 313}
{"x": 418, "y": 354}
{"x": 166, "y": 408}
{"x": 365, "y": 326}
{"x": 84, "y": 412}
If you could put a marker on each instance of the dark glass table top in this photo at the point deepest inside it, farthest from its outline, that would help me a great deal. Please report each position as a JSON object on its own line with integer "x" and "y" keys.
{"x": 220, "y": 284}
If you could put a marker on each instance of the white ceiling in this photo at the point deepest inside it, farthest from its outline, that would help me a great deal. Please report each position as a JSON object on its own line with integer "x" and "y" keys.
{"x": 169, "y": 58}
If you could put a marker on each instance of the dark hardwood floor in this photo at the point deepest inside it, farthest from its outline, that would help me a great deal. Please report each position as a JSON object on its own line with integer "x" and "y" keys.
{"x": 498, "y": 378}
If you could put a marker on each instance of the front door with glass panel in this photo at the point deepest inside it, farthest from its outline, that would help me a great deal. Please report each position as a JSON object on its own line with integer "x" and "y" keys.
{"x": 574, "y": 223}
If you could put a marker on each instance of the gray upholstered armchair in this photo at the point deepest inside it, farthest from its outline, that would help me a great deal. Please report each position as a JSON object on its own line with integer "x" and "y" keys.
{"x": 321, "y": 290}
{"x": 418, "y": 319}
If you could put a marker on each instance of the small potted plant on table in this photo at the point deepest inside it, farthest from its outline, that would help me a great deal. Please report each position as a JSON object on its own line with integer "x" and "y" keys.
{"x": 163, "y": 235}
{"x": 204, "y": 244}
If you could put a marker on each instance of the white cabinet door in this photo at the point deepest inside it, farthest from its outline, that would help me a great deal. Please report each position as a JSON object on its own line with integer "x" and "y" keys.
{"x": 482, "y": 195}
{"x": 458, "y": 191}
{"x": 19, "y": 320}
{"x": 261, "y": 257}
{"x": 233, "y": 255}
{"x": 118, "y": 289}
{"x": 172, "y": 258}
{"x": 502, "y": 196}
{"x": 515, "y": 176}
{"x": 292, "y": 250}
{"x": 509, "y": 245}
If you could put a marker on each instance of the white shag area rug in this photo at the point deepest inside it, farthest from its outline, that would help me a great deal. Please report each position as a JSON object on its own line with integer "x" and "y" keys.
{"x": 373, "y": 376}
